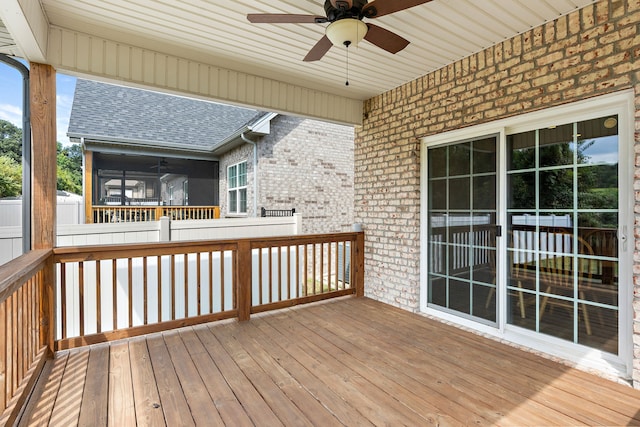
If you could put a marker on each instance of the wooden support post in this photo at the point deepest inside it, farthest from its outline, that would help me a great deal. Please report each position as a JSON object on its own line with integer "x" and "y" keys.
{"x": 357, "y": 257}
{"x": 88, "y": 186}
{"x": 44, "y": 179}
{"x": 243, "y": 279}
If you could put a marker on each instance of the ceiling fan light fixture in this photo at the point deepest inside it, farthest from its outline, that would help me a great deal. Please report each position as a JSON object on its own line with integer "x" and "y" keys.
{"x": 347, "y": 31}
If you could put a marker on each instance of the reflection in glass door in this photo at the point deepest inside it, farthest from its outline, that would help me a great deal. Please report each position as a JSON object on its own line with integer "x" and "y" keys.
{"x": 562, "y": 247}
{"x": 462, "y": 228}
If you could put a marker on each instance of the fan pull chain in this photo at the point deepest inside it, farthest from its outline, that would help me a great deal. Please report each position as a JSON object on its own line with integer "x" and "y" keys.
{"x": 347, "y": 44}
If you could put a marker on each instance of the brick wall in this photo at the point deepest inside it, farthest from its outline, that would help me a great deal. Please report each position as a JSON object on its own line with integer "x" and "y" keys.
{"x": 303, "y": 164}
{"x": 587, "y": 53}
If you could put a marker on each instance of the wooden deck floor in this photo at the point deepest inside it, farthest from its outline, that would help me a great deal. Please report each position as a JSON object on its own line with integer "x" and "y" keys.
{"x": 346, "y": 362}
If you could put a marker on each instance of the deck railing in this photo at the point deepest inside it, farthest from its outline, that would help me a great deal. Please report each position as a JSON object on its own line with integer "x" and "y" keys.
{"x": 25, "y": 303}
{"x": 109, "y": 214}
{"x": 72, "y": 296}
{"x": 111, "y": 292}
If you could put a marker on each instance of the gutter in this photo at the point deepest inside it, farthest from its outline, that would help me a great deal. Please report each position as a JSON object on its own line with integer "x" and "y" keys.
{"x": 26, "y": 151}
{"x": 260, "y": 126}
{"x": 145, "y": 151}
{"x": 255, "y": 172}
{"x": 137, "y": 143}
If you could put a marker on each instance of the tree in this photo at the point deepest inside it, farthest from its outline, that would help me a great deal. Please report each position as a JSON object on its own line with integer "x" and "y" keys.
{"x": 69, "y": 161}
{"x": 10, "y": 141}
{"x": 10, "y": 177}
{"x": 69, "y": 171}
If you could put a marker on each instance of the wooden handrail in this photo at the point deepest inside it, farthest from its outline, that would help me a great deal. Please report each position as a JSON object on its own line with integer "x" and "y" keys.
{"x": 134, "y": 250}
{"x": 16, "y": 272}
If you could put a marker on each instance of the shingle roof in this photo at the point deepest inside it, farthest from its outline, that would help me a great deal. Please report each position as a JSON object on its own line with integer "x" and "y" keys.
{"x": 111, "y": 111}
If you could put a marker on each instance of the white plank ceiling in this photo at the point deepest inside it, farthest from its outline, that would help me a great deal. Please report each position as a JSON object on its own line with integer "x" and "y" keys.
{"x": 216, "y": 32}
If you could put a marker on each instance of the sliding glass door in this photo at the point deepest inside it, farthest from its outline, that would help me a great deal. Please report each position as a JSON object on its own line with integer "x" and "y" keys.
{"x": 462, "y": 212}
{"x": 562, "y": 248}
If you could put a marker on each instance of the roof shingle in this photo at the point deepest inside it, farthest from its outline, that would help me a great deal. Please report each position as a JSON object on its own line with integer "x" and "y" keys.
{"x": 111, "y": 111}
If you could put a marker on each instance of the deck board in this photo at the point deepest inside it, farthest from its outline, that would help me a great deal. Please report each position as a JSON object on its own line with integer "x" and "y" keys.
{"x": 273, "y": 395}
{"x": 172, "y": 399}
{"x": 93, "y": 410}
{"x": 338, "y": 406}
{"x": 202, "y": 408}
{"x": 66, "y": 408}
{"x": 248, "y": 396}
{"x": 286, "y": 381}
{"x": 40, "y": 409}
{"x": 226, "y": 403}
{"x": 145, "y": 390}
{"x": 351, "y": 361}
{"x": 121, "y": 404}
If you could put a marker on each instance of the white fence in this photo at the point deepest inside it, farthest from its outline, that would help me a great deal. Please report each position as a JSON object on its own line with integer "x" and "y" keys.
{"x": 10, "y": 243}
{"x": 70, "y": 210}
{"x": 156, "y": 231}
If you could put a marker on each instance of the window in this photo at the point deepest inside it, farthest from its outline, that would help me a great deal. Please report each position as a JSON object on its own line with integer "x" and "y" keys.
{"x": 237, "y": 184}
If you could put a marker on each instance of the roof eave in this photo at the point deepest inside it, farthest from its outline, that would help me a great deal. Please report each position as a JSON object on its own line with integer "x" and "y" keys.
{"x": 257, "y": 127}
{"x": 137, "y": 147}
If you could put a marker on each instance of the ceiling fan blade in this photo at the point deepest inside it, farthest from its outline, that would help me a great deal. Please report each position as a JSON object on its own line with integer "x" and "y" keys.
{"x": 284, "y": 18}
{"x": 318, "y": 51}
{"x": 378, "y": 8}
{"x": 385, "y": 39}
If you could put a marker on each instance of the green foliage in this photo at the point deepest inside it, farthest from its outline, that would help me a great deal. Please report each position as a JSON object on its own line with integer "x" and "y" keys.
{"x": 10, "y": 177}
{"x": 10, "y": 141}
{"x": 597, "y": 185}
{"x": 69, "y": 161}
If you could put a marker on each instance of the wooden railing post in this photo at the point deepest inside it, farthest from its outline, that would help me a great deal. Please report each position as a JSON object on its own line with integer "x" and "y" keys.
{"x": 357, "y": 256}
{"x": 47, "y": 307}
{"x": 243, "y": 279}
{"x": 43, "y": 216}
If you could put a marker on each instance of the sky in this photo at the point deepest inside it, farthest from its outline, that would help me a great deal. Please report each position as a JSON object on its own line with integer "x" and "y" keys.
{"x": 11, "y": 99}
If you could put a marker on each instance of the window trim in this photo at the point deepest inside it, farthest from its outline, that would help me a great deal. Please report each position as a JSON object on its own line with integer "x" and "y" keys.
{"x": 236, "y": 209}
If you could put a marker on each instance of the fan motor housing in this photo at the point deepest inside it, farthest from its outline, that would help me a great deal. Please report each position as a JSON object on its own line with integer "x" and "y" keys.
{"x": 334, "y": 13}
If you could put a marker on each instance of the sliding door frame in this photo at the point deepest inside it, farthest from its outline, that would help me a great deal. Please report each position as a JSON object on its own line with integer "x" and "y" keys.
{"x": 621, "y": 104}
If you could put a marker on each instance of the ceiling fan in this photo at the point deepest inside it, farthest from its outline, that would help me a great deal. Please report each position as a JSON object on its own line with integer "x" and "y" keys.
{"x": 345, "y": 24}
{"x": 161, "y": 166}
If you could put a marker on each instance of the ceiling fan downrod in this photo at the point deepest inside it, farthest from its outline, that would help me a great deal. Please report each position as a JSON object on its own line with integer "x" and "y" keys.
{"x": 347, "y": 43}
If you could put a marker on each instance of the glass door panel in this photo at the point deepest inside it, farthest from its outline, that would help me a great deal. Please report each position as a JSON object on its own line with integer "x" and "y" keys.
{"x": 462, "y": 228}
{"x": 562, "y": 250}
